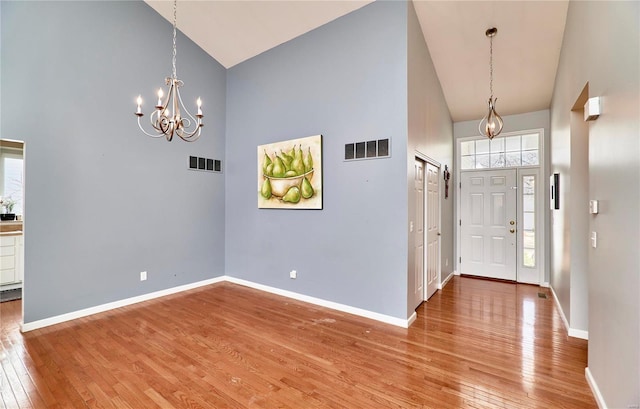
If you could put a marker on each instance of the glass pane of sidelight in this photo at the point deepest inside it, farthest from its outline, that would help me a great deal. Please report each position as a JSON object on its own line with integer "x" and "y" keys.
{"x": 529, "y": 239}
{"x": 528, "y": 183}
{"x": 529, "y": 258}
{"x": 528, "y": 221}
{"x": 528, "y": 203}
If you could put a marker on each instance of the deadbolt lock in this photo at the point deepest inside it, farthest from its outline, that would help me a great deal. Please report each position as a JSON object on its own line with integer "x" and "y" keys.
{"x": 512, "y": 222}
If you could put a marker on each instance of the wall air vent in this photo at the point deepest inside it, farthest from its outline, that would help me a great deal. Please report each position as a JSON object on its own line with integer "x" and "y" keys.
{"x": 367, "y": 150}
{"x": 205, "y": 164}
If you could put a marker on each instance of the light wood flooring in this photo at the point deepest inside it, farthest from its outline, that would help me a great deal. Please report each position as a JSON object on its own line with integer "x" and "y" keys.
{"x": 475, "y": 344}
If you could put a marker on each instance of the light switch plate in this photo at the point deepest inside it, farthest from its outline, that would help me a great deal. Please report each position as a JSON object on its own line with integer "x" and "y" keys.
{"x": 594, "y": 239}
{"x": 593, "y": 206}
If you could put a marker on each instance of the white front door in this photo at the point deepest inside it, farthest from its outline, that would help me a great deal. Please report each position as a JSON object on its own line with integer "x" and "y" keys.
{"x": 433, "y": 229}
{"x": 418, "y": 231}
{"x": 488, "y": 224}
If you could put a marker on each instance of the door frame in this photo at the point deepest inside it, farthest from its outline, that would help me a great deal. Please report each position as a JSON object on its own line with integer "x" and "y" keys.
{"x": 24, "y": 195}
{"x": 428, "y": 160}
{"x": 542, "y": 198}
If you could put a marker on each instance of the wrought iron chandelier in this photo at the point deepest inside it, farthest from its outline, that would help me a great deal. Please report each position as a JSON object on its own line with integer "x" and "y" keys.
{"x": 167, "y": 118}
{"x": 491, "y": 124}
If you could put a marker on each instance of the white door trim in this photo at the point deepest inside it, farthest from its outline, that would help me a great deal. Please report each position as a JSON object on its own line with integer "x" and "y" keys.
{"x": 438, "y": 240}
{"x": 428, "y": 160}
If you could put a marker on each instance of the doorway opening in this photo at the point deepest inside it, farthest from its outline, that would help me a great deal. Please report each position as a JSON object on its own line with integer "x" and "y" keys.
{"x": 11, "y": 220}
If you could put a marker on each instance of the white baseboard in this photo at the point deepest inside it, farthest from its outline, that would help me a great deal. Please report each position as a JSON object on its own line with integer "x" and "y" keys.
{"x": 594, "y": 389}
{"x": 411, "y": 319}
{"x": 399, "y": 322}
{"x": 572, "y": 332}
{"x": 564, "y": 319}
{"x": 544, "y": 284}
{"x": 578, "y": 333}
{"x": 404, "y": 323}
{"x": 455, "y": 273}
{"x": 446, "y": 280}
{"x": 30, "y": 326}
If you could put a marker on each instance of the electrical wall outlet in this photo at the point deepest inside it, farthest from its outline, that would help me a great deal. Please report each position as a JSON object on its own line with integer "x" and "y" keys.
{"x": 143, "y": 276}
{"x": 293, "y": 274}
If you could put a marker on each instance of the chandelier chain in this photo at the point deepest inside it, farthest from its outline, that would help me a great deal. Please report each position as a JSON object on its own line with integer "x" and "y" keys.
{"x": 490, "y": 66}
{"x": 175, "y": 19}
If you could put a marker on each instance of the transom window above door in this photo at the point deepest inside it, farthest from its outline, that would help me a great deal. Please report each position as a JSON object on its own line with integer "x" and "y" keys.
{"x": 502, "y": 152}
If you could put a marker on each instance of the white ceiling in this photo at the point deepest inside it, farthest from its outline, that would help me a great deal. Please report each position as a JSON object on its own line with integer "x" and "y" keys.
{"x": 525, "y": 50}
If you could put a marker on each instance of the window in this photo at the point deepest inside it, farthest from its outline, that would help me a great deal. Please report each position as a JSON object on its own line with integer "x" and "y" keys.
{"x": 12, "y": 168}
{"x": 503, "y": 152}
{"x": 529, "y": 221}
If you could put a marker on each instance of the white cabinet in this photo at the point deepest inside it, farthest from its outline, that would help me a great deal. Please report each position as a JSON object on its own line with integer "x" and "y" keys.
{"x": 11, "y": 259}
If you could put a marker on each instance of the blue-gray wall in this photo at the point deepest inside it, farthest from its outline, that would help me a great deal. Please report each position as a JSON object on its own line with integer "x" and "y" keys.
{"x": 346, "y": 80}
{"x": 609, "y": 60}
{"x": 103, "y": 201}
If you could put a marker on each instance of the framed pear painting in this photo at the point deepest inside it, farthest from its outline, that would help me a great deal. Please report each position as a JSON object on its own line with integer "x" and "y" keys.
{"x": 290, "y": 174}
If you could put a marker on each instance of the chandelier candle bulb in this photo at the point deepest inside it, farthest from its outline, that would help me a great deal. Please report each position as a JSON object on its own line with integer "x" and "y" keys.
{"x": 160, "y": 98}
{"x": 199, "y": 102}
{"x": 139, "y": 101}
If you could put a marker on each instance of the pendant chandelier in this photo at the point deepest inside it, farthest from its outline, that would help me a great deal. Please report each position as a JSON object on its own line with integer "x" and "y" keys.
{"x": 491, "y": 124}
{"x": 167, "y": 118}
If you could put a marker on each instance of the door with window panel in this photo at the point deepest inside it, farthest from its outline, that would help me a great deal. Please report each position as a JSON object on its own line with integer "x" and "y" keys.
{"x": 520, "y": 152}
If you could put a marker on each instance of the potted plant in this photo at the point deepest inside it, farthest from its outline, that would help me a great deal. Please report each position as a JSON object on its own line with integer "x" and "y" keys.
{"x": 7, "y": 203}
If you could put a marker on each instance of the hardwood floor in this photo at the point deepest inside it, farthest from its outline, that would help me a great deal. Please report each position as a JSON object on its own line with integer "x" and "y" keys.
{"x": 475, "y": 344}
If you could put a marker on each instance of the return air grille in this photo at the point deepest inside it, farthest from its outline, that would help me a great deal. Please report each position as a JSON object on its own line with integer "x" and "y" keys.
{"x": 205, "y": 164}
{"x": 367, "y": 150}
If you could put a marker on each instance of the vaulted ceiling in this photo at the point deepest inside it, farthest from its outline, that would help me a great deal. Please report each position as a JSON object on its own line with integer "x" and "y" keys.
{"x": 526, "y": 49}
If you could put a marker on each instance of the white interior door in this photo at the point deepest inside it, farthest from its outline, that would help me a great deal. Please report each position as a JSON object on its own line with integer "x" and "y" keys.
{"x": 433, "y": 229}
{"x": 418, "y": 232}
{"x": 488, "y": 224}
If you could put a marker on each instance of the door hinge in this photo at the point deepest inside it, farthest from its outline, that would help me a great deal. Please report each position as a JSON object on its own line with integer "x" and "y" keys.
{"x": 460, "y": 183}
{"x": 460, "y": 260}
{"x": 460, "y": 222}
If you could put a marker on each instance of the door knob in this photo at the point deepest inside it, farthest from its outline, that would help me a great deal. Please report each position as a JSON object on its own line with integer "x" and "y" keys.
{"x": 512, "y": 231}
{"x": 512, "y": 222}
{"x": 439, "y": 234}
